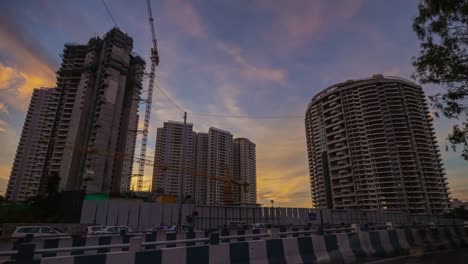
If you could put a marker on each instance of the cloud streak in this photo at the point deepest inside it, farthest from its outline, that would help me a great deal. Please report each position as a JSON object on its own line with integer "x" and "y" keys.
{"x": 298, "y": 23}
{"x": 4, "y": 108}
{"x": 23, "y": 70}
{"x": 231, "y": 58}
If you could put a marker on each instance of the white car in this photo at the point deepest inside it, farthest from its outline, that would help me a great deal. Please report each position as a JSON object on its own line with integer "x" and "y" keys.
{"x": 95, "y": 230}
{"x": 171, "y": 229}
{"x": 116, "y": 229}
{"x": 37, "y": 231}
{"x": 158, "y": 228}
{"x": 259, "y": 226}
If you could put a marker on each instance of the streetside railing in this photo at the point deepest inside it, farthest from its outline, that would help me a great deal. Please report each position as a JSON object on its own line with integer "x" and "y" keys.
{"x": 28, "y": 250}
{"x": 137, "y": 243}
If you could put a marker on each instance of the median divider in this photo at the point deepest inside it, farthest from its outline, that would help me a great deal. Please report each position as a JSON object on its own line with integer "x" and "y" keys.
{"x": 344, "y": 245}
{"x": 301, "y": 248}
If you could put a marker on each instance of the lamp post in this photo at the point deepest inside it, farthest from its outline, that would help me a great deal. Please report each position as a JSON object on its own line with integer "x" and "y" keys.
{"x": 273, "y": 220}
{"x": 181, "y": 187}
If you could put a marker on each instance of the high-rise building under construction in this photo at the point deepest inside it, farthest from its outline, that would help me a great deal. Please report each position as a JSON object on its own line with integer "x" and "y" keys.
{"x": 216, "y": 169}
{"x": 245, "y": 166}
{"x": 174, "y": 156}
{"x": 93, "y": 123}
{"x": 220, "y": 164}
{"x": 371, "y": 145}
{"x": 25, "y": 177}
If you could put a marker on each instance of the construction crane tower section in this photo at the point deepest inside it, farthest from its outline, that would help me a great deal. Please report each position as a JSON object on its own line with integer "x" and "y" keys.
{"x": 149, "y": 100}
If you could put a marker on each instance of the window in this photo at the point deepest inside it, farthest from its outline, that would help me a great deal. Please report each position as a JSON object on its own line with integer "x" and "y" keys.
{"x": 112, "y": 229}
{"x": 97, "y": 228}
{"x": 47, "y": 230}
{"x": 28, "y": 230}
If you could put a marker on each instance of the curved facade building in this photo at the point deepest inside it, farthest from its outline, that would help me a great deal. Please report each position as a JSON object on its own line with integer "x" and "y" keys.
{"x": 371, "y": 145}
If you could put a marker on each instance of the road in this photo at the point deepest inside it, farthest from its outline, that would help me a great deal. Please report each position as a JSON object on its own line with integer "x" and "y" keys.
{"x": 449, "y": 257}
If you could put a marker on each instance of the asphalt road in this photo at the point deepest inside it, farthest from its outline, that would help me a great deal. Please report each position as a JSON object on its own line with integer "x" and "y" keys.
{"x": 447, "y": 257}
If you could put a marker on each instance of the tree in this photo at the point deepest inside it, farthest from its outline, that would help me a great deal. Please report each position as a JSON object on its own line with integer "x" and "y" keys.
{"x": 52, "y": 185}
{"x": 442, "y": 28}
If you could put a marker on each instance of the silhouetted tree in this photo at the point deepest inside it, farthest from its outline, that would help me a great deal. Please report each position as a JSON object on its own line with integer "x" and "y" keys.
{"x": 52, "y": 185}
{"x": 442, "y": 27}
{"x": 458, "y": 213}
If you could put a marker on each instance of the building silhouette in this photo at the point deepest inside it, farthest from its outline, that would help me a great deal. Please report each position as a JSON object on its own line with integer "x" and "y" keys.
{"x": 92, "y": 124}
{"x": 169, "y": 161}
{"x": 245, "y": 165}
{"x": 213, "y": 162}
{"x": 25, "y": 178}
{"x": 371, "y": 145}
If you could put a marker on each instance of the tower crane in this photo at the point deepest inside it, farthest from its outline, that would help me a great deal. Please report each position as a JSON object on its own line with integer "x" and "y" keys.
{"x": 154, "y": 62}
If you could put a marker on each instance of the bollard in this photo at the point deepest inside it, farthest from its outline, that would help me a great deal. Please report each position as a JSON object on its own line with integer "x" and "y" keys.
{"x": 256, "y": 231}
{"x": 171, "y": 236}
{"x": 135, "y": 244}
{"x": 190, "y": 235}
{"x": 206, "y": 234}
{"x": 320, "y": 231}
{"x": 282, "y": 229}
{"x": 274, "y": 232}
{"x": 295, "y": 229}
{"x": 225, "y": 232}
{"x": 151, "y": 237}
{"x": 241, "y": 232}
{"x": 214, "y": 239}
{"x": 25, "y": 253}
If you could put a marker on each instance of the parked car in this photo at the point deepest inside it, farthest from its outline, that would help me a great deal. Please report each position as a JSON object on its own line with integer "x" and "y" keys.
{"x": 37, "y": 231}
{"x": 259, "y": 226}
{"x": 158, "y": 228}
{"x": 116, "y": 229}
{"x": 171, "y": 229}
{"x": 168, "y": 229}
{"x": 235, "y": 224}
{"x": 95, "y": 230}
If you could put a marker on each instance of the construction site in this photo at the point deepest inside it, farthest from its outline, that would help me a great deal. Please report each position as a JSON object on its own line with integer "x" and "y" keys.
{"x": 88, "y": 129}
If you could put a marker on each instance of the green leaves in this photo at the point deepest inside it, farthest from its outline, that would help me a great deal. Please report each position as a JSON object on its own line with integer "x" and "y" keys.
{"x": 442, "y": 28}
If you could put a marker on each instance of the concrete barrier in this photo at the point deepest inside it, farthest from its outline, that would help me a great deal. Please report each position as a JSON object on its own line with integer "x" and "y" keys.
{"x": 336, "y": 248}
{"x": 366, "y": 243}
{"x": 344, "y": 246}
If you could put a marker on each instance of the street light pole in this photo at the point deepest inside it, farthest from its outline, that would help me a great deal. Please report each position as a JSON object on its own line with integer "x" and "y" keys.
{"x": 182, "y": 169}
{"x": 273, "y": 217}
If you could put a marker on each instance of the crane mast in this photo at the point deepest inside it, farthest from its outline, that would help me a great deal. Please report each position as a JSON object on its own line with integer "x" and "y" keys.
{"x": 154, "y": 62}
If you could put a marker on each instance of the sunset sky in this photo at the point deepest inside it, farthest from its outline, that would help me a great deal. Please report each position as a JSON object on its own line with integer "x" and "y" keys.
{"x": 238, "y": 58}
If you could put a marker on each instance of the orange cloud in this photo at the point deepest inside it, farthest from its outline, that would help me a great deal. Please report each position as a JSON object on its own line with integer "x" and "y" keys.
{"x": 4, "y": 175}
{"x": 4, "y": 109}
{"x": 24, "y": 71}
{"x": 3, "y": 126}
{"x": 18, "y": 86}
{"x": 7, "y": 75}
{"x": 282, "y": 172}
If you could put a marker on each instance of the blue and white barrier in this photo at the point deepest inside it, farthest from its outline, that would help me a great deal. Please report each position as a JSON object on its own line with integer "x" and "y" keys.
{"x": 336, "y": 248}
